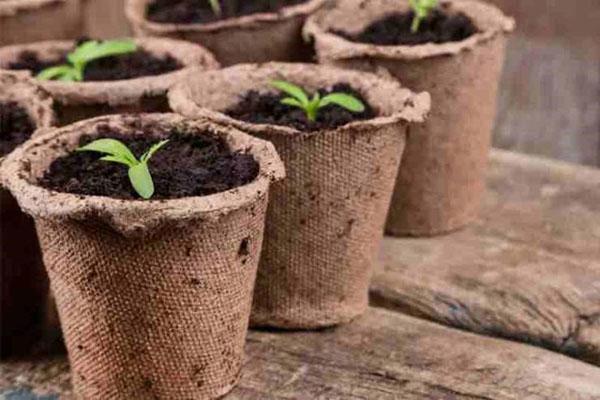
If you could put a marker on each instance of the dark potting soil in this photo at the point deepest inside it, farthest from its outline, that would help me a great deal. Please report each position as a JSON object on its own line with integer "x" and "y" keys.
{"x": 188, "y": 165}
{"x": 127, "y": 66}
{"x": 16, "y": 126}
{"x": 266, "y": 108}
{"x": 199, "y": 11}
{"x": 395, "y": 29}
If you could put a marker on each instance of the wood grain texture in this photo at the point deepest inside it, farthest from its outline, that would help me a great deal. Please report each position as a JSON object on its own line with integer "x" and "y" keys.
{"x": 528, "y": 269}
{"x": 382, "y": 355}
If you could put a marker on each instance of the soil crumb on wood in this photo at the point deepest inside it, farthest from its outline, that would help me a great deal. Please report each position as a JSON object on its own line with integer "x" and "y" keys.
{"x": 127, "y": 66}
{"x": 16, "y": 126}
{"x": 266, "y": 108}
{"x": 189, "y": 165}
{"x": 395, "y": 29}
{"x": 199, "y": 11}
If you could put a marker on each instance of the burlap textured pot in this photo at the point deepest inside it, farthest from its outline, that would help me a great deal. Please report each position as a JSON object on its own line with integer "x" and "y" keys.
{"x": 104, "y": 19}
{"x": 325, "y": 221}
{"x": 253, "y": 38}
{"x": 154, "y": 297}
{"x": 24, "y": 285}
{"x": 23, "y": 21}
{"x": 81, "y": 100}
{"x": 442, "y": 177}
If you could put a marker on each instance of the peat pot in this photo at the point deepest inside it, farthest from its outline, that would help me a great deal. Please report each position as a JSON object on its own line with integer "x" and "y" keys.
{"x": 104, "y": 19}
{"x": 154, "y": 296}
{"x": 261, "y": 37}
{"x": 23, "y": 21}
{"x": 24, "y": 286}
{"x": 326, "y": 220}
{"x": 76, "y": 101}
{"x": 442, "y": 177}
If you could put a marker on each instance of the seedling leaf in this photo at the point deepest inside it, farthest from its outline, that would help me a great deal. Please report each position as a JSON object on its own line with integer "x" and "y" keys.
{"x": 216, "y": 7}
{"x": 138, "y": 172}
{"x": 111, "y": 147}
{"x": 292, "y": 90}
{"x": 155, "y": 147}
{"x": 311, "y": 107}
{"x": 85, "y": 53}
{"x": 60, "y": 71}
{"x": 421, "y": 9}
{"x": 350, "y": 103}
{"x": 141, "y": 180}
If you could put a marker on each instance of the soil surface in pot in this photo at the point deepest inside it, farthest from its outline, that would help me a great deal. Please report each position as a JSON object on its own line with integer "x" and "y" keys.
{"x": 127, "y": 66}
{"x": 266, "y": 108}
{"x": 188, "y": 165}
{"x": 200, "y": 11}
{"x": 16, "y": 126}
{"x": 395, "y": 29}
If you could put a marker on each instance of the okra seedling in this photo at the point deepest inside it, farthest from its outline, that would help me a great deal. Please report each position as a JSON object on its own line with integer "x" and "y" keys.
{"x": 216, "y": 7}
{"x": 116, "y": 151}
{"x": 299, "y": 98}
{"x": 421, "y": 8}
{"x": 84, "y": 54}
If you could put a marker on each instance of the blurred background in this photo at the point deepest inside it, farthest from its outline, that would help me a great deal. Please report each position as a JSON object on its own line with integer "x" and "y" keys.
{"x": 549, "y": 100}
{"x": 550, "y": 93}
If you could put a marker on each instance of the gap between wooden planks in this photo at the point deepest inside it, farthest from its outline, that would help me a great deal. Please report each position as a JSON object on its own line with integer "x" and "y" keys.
{"x": 528, "y": 269}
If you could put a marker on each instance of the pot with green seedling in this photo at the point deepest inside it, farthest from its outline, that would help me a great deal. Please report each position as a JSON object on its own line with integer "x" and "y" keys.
{"x": 151, "y": 228}
{"x": 25, "y": 21}
{"x": 452, "y": 49}
{"x": 24, "y": 107}
{"x": 236, "y": 31}
{"x": 341, "y": 135}
{"x": 91, "y": 78}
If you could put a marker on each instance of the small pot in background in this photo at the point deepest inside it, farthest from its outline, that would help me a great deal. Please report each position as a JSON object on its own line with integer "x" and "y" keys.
{"x": 256, "y": 38}
{"x": 24, "y": 21}
{"x": 442, "y": 177}
{"x": 104, "y": 19}
{"x": 76, "y": 101}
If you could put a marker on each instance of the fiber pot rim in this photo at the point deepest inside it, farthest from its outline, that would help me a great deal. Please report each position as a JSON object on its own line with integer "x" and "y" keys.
{"x": 135, "y": 10}
{"x": 408, "y": 107}
{"x": 118, "y": 92}
{"x": 131, "y": 218}
{"x": 12, "y": 7}
{"x": 490, "y": 20}
{"x": 24, "y": 91}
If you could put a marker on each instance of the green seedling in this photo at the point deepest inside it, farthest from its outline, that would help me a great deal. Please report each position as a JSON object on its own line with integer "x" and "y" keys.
{"x": 116, "y": 151}
{"x": 84, "y": 54}
{"x": 216, "y": 7}
{"x": 421, "y": 8}
{"x": 299, "y": 98}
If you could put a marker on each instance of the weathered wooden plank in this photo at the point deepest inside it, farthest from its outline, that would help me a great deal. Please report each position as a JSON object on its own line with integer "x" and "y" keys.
{"x": 383, "y": 355}
{"x": 527, "y": 269}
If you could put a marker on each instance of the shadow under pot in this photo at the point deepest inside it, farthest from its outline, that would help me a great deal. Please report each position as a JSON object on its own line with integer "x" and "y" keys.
{"x": 24, "y": 107}
{"x": 245, "y": 30}
{"x": 325, "y": 221}
{"x": 136, "y": 82}
{"x": 154, "y": 296}
{"x": 456, "y": 55}
{"x": 24, "y": 21}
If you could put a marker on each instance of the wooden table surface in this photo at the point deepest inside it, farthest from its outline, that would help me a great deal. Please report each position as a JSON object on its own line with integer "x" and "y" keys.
{"x": 528, "y": 270}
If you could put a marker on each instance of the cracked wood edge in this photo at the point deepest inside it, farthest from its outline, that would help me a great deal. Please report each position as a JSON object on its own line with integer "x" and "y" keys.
{"x": 528, "y": 269}
{"x": 383, "y": 355}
